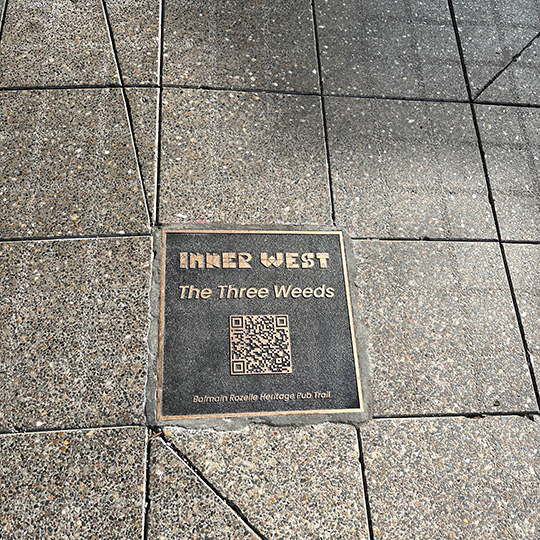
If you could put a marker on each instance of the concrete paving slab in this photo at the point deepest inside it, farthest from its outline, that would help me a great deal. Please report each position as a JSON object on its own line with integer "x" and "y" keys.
{"x": 260, "y": 44}
{"x": 72, "y": 484}
{"x": 242, "y": 158}
{"x": 143, "y": 105}
{"x": 56, "y": 43}
{"x": 407, "y": 169}
{"x": 73, "y": 326}
{"x": 520, "y": 82}
{"x": 389, "y": 48}
{"x": 68, "y": 165}
{"x": 491, "y": 34}
{"x": 182, "y": 506}
{"x": 135, "y": 28}
{"x": 289, "y": 482}
{"x": 443, "y": 478}
{"x": 524, "y": 262}
{"x": 511, "y": 141}
{"x": 444, "y": 333}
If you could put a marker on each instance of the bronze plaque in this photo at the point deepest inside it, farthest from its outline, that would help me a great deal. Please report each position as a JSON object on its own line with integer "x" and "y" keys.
{"x": 257, "y": 323}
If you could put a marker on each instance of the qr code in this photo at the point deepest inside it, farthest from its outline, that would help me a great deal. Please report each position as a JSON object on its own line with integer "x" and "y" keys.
{"x": 260, "y": 344}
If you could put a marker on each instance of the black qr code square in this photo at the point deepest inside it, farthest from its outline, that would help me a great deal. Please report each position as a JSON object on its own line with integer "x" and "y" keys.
{"x": 260, "y": 344}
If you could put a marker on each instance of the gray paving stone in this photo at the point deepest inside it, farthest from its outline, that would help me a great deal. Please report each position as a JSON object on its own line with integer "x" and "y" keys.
{"x": 68, "y": 165}
{"x": 289, "y": 482}
{"x": 143, "y": 105}
{"x": 407, "y": 169}
{"x": 440, "y": 478}
{"x": 181, "y": 506}
{"x": 56, "y": 42}
{"x": 74, "y": 484}
{"x": 491, "y": 33}
{"x": 73, "y": 322}
{"x": 511, "y": 141}
{"x": 444, "y": 333}
{"x": 524, "y": 262}
{"x": 389, "y": 48}
{"x": 261, "y": 44}
{"x": 135, "y": 27}
{"x": 520, "y": 83}
{"x": 242, "y": 158}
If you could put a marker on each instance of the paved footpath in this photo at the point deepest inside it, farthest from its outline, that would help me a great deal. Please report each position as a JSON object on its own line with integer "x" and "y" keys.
{"x": 414, "y": 124}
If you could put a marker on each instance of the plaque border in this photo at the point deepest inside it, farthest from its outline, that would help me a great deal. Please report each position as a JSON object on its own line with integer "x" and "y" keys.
{"x": 361, "y": 385}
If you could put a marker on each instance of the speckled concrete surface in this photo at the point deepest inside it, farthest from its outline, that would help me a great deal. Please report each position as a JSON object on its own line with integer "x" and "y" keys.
{"x": 56, "y": 42}
{"x": 444, "y": 334}
{"x": 182, "y": 506}
{"x": 143, "y": 107}
{"x": 443, "y": 478}
{"x": 260, "y": 44}
{"x": 73, "y": 321}
{"x": 492, "y": 33}
{"x": 229, "y": 124}
{"x": 524, "y": 262}
{"x": 242, "y": 158}
{"x": 72, "y": 484}
{"x": 135, "y": 28}
{"x": 511, "y": 140}
{"x": 389, "y": 48}
{"x": 404, "y": 169}
{"x": 68, "y": 165}
{"x": 290, "y": 483}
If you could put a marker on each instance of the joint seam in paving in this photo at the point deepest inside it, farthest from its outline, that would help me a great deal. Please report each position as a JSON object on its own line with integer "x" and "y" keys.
{"x": 501, "y": 71}
{"x": 127, "y": 109}
{"x": 493, "y": 207}
{"x": 146, "y": 488}
{"x": 323, "y": 113}
{"x": 75, "y": 237}
{"x": 194, "y": 470}
{"x": 159, "y": 115}
{"x": 364, "y": 481}
{"x": 38, "y": 431}
{"x": 2, "y": 19}
{"x": 469, "y": 415}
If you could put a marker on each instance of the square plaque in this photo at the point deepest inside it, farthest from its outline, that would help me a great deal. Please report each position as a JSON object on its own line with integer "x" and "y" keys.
{"x": 255, "y": 324}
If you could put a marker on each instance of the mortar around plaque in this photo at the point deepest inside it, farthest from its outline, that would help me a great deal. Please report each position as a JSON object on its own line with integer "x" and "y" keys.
{"x": 254, "y": 325}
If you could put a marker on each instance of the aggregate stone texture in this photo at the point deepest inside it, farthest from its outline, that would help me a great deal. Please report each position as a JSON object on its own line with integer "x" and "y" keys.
{"x": 441, "y": 478}
{"x": 492, "y": 33}
{"x": 72, "y": 484}
{"x": 68, "y": 165}
{"x": 56, "y": 43}
{"x": 242, "y": 158}
{"x": 73, "y": 322}
{"x": 524, "y": 263}
{"x": 389, "y": 48}
{"x": 444, "y": 334}
{"x": 143, "y": 107}
{"x": 182, "y": 506}
{"x": 404, "y": 169}
{"x": 298, "y": 483}
{"x": 520, "y": 83}
{"x": 511, "y": 141}
{"x": 259, "y": 44}
{"x": 135, "y": 29}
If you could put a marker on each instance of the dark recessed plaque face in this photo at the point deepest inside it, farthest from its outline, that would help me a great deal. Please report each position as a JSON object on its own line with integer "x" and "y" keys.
{"x": 255, "y": 323}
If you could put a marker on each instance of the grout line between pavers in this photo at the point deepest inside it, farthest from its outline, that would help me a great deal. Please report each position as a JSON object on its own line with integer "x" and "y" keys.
{"x": 44, "y": 431}
{"x": 323, "y": 113}
{"x": 146, "y": 494}
{"x": 424, "y": 239}
{"x": 468, "y": 415}
{"x": 501, "y": 71}
{"x": 3, "y": 18}
{"x": 364, "y": 481}
{"x": 127, "y": 108}
{"x": 190, "y": 465}
{"x": 493, "y": 207}
{"x": 159, "y": 114}
{"x": 78, "y": 237}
